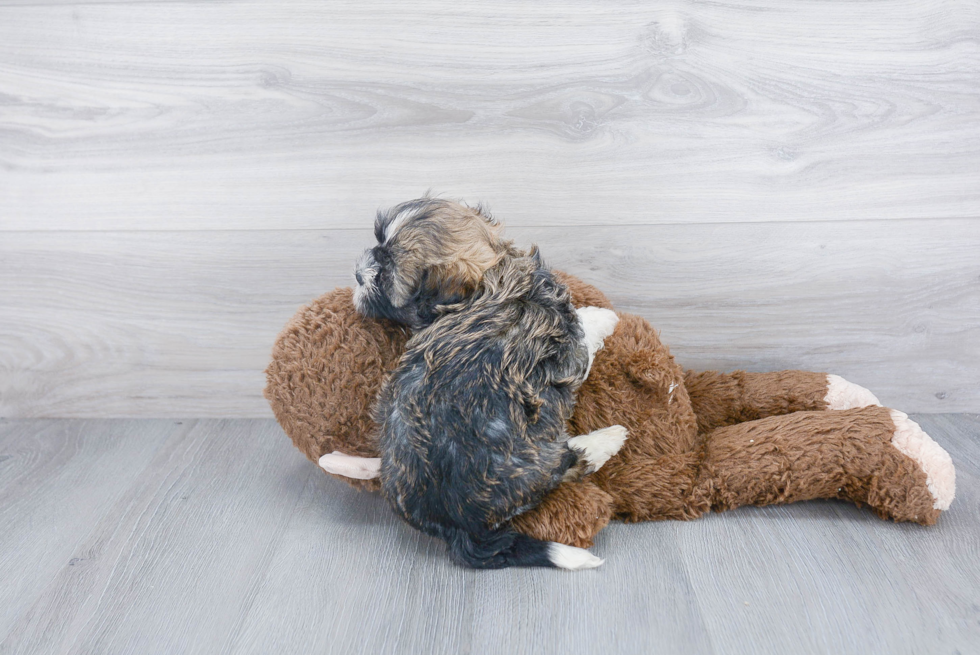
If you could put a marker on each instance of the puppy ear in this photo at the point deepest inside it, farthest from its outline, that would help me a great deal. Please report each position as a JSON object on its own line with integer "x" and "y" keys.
{"x": 443, "y": 259}
{"x": 405, "y": 282}
{"x": 435, "y": 288}
{"x": 459, "y": 277}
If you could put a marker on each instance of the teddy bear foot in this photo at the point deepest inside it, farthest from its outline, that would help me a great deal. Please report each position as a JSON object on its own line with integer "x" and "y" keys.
{"x": 842, "y": 394}
{"x": 935, "y": 462}
{"x": 910, "y": 479}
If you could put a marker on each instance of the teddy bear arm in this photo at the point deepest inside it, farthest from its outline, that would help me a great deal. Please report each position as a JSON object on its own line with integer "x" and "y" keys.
{"x": 656, "y": 488}
{"x": 721, "y": 399}
{"x": 572, "y": 514}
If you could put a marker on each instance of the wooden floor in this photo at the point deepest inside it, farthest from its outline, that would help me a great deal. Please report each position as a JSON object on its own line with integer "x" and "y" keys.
{"x": 216, "y": 536}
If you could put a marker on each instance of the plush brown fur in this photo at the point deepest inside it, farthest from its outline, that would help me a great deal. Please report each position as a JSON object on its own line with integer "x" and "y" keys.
{"x": 698, "y": 441}
{"x": 721, "y": 399}
{"x": 327, "y": 367}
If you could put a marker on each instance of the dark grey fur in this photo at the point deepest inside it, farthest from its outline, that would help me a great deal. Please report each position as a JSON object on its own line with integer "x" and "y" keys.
{"x": 473, "y": 419}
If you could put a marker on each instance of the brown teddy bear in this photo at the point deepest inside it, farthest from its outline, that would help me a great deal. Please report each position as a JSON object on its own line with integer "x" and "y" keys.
{"x": 697, "y": 441}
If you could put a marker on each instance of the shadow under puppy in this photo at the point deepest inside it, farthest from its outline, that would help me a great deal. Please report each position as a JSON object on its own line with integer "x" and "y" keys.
{"x": 473, "y": 418}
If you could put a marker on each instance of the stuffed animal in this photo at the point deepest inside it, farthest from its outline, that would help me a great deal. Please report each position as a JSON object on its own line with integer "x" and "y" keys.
{"x": 698, "y": 441}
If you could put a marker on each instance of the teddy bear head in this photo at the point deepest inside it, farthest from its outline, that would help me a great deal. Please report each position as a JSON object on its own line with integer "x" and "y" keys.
{"x": 328, "y": 365}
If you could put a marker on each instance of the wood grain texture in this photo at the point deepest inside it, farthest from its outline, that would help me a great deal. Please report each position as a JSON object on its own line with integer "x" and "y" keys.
{"x": 173, "y": 564}
{"x": 182, "y": 323}
{"x": 229, "y": 541}
{"x": 57, "y": 480}
{"x": 248, "y": 115}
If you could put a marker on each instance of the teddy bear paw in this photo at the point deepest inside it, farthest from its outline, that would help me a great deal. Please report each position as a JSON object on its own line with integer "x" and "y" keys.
{"x": 598, "y": 446}
{"x": 842, "y": 394}
{"x": 597, "y": 323}
{"x": 349, "y": 466}
{"x": 571, "y": 558}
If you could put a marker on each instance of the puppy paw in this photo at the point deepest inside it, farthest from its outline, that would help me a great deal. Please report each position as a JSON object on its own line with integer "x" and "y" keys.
{"x": 572, "y": 558}
{"x": 359, "y": 468}
{"x": 597, "y": 447}
{"x": 935, "y": 462}
{"x": 842, "y": 394}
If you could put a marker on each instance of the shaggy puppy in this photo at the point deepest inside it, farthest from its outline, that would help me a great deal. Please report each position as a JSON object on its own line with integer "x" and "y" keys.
{"x": 473, "y": 418}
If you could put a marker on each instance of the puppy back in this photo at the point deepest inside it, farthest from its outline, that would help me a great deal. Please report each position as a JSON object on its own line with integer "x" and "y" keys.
{"x": 472, "y": 417}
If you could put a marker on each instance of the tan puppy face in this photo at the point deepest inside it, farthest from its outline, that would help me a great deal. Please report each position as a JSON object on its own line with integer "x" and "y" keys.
{"x": 430, "y": 252}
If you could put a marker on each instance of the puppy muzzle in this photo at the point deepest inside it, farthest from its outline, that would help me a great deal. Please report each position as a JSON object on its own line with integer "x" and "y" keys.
{"x": 364, "y": 273}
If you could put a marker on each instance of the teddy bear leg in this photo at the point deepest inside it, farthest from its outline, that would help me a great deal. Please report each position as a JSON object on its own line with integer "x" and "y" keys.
{"x": 871, "y": 455}
{"x": 721, "y": 399}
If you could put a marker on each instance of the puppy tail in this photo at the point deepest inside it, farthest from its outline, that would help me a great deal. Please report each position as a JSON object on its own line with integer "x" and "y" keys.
{"x": 505, "y": 548}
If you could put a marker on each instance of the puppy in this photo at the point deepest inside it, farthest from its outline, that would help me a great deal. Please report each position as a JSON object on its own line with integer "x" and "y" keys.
{"x": 473, "y": 418}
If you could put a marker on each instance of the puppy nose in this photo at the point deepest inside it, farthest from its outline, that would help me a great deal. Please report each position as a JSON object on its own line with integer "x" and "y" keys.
{"x": 357, "y": 276}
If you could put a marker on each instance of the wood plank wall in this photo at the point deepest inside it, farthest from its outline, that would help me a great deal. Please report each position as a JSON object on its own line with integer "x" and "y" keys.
{"x": 772, "y": 184}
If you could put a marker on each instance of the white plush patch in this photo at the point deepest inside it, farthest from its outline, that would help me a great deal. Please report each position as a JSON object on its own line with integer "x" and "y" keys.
{"x": 598, "y": 323}
{"x": 842, "y": 394}
{"x": 598, "y": 446}
{"x": 936, "y": 463}
{"x": 359, "y": 468}
{"x": 572, "y": 558}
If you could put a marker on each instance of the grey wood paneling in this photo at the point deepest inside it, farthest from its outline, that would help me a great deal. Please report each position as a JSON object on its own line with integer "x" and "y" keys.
{"x": 182, "y": 323}
{"x": 306, "y": 114}
{"x": 142, "y": 142}
{"x": 219, "y": 537}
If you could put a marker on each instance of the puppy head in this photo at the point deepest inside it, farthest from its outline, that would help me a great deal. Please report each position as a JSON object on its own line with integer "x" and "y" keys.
{"x": 430, "y": 252}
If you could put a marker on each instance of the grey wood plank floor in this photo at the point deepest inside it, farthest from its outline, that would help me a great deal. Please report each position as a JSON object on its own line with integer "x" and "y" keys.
{"x": 216, "y": 536}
